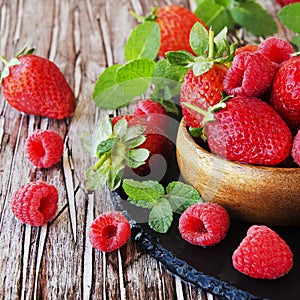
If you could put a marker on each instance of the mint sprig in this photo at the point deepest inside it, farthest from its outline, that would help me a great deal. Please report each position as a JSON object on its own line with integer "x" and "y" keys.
{"x": 176, "y": 198}
{"x": 115, "y": 148}
{"x": 248, "y": 14}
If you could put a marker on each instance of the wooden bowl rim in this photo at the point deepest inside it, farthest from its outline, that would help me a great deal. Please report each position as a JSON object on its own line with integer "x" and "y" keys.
{"x": 187, "y": 135}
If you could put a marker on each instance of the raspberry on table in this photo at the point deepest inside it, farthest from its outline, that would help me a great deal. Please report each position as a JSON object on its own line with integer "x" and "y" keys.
{"x": 246, "y": 48}
{"x": 263, "y": 254}
{"x": 35, "y": 203}
{"x": 251, "y": 74}
{"x": 276, "y": 49}
{"x": 109, "y": 231}
{"x": 296, "y": 148}
{"x": 204, "y": 224}
{"x": 44, "y": 148}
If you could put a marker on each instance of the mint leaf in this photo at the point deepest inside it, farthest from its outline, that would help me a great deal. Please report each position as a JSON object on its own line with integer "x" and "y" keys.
{"x": 250, "y": 15}
{"x": 180, "y": 58}
{"x": 145, "y": 194}
{"x": 181, "y": 196}
{"x": 144, "y": 42}
{"x": 199, "y": 40}
{"x": 296, "y": 41}
{"x": 214, "y": 13}
{"x": 289, "y": 16}
{"x": 90, "y": 141}
{"x": 161, "y": 216}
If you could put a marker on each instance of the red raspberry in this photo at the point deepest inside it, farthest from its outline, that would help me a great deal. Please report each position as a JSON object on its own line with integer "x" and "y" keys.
{"x": 251, "y": 74}
{"x": 263, "y": 254}
{"x": 35, "y": 203}
{"x": 154, "y": 113}
{"x": 276, "y": 50}
{"x": 296, "y": 148}
{"x": 204, "y": 224}
{"x": 44, "y": 148}
{"x": 109, "y": 231}
{"x": 246, "y": 48}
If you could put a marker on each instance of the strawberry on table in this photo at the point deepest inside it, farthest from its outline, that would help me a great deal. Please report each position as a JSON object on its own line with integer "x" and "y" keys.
{"x": 34, "y": 85}
{"x": 175, "y": 23}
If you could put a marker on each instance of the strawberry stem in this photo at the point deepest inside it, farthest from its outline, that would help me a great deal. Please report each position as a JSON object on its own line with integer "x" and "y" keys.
{"x": 138, "y": 17}
{"x": 101, "y": 161}
{"x": 4, "y": 60}
{"x": 211, "y": 44}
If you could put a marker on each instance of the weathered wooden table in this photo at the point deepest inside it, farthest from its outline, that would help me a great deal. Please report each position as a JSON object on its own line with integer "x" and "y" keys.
{"x": 57, "y": 261}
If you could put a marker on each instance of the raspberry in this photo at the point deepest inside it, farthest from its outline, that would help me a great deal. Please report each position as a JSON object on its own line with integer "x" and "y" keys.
{"x": 276, "y": 50}
{"x": 154, "y": 113}
{"x": 263, "y": 254}
{"x": 109, "y": 231}
{"x": 251, "y": 74}
{"x": 35, "y": 203}
{"x": 246, "y": 48}
{"x": 286, "y": 2}
{"x": 296, "y": 148}
{"x": 44, "y": 148}
{"x": 204, "y": 224}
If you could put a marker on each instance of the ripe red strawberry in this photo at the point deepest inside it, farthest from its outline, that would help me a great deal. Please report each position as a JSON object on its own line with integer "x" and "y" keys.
{"x": 154, "y": 113}
{"x": 109, "y": 231}
{"x": 248, "y": 130}
{"x": 35, "y": 203}
{"x": 35, "y": 85}
{"x": 204, "y": 224}
{"x": 175, "y": 23}
{"x": 285, "y": 94}
{"x": 286, "y": 2}
{"x": 263, "y": 254}
{"x": 202, "y": 91}
{"x": 44, "y": 148}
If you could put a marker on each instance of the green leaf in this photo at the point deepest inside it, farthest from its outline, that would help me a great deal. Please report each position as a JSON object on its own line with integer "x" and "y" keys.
{"x": 201, "y": 67}
{"x": 96, "y": 179}
{"x": 161, "y": 216}
{"x": 135, "y": 76}
{"x": 167, "y": 80}
{"x": 106, "y": 146}
{"x": 90, "y": 141}
{"x": 144, "y": 194}
{"x": 144, "y": 42}
{"x": 199, "y": 40}
{"x": 137, "y": 157}
{"x": 296, "y": 41}
{"x": 250, "y": 15}
{"x": 215, "y": 14}
{"x": 180, "y": 58}
{"x": 289, "y": 16}
{"x": 114, "y": 178}
{"x": 181, "y": 196}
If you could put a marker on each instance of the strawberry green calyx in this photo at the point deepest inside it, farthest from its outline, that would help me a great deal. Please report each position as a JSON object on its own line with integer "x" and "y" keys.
{"x": 210, "y": 49}
{"x": 152, "y": 16}
{"x": 12, "y": 62}
{"x": 115, "y": 148}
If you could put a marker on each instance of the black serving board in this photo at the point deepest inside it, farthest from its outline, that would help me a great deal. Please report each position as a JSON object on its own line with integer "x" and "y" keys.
{"x": 211, "y": 268}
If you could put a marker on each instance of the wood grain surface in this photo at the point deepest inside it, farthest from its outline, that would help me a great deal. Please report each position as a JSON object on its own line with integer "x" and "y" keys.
{"x": 56, "y": 261}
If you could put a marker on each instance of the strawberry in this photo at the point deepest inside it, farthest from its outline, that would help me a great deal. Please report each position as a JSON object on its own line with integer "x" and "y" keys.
{"x": 126, "y": 143}
{"x": 248, "y": 130}
{"x": 285, "y": 94}
{"x": 35, "y": 85}
{"x": 202, "y": 91}
{"x": 154, "y": 113}
{"x": 175, "y": 23}
{"x": 263, "y": 254}
{"x": 202, "y": 86}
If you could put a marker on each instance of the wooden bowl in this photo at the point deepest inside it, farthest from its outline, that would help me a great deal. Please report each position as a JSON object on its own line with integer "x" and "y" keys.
{"x": 255, "y": 194}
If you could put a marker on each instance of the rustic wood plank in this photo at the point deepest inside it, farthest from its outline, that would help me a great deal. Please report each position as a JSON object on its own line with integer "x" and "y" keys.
{"x": 56, "y": 261}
